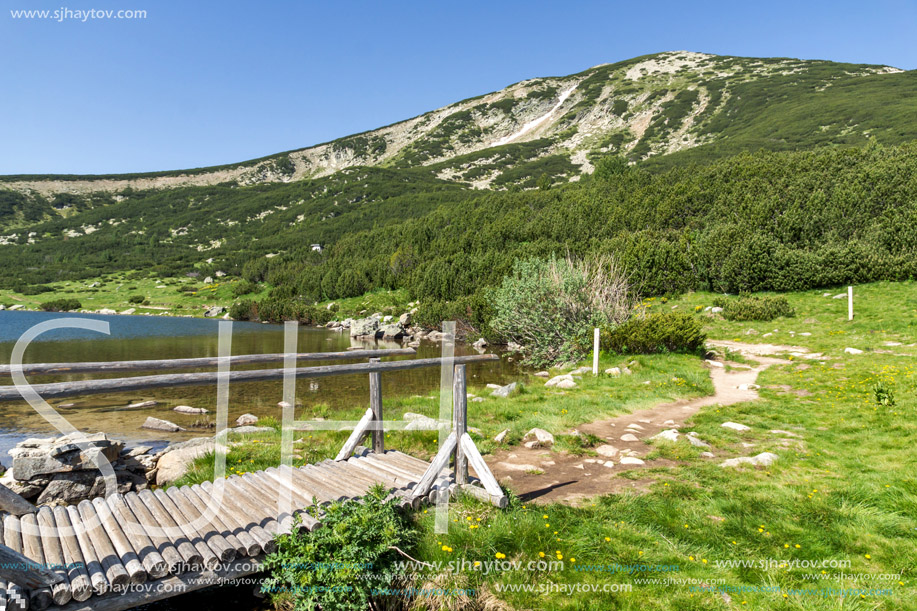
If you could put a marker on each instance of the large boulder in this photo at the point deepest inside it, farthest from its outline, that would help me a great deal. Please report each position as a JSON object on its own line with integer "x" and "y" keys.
{"x": 393, "y": 331}
{"x": 178, "y": 459}
{"x": 214, "y": 311}
{"x": 62, "y": 455}
{"x": 364, "y": 327}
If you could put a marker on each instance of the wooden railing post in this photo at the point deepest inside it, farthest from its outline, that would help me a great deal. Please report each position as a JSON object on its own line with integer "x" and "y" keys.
{"x": 460, "y": 419}
{"x": 375, "y": 403}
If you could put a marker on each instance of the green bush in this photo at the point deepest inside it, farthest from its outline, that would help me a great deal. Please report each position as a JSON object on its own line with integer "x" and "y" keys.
{"x": 344, "y": 564}
{"x": 243, "y": 310}
{"x": 136, "y": 299}
{"x": 754, "y": 307}
{"x": 61, "y": 305}
{"x": 660, "y": 332}
{"x": 550, "y": 307}
{"x": 244, "y": 287}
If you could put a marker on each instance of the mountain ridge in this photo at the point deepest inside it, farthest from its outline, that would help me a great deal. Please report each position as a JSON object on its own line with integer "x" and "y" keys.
{"x": 643, "y": 108}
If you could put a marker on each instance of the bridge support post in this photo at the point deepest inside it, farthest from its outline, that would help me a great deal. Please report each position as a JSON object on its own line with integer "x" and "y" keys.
{"x": 375, "y": 403}
{"x": 460, "y": 422}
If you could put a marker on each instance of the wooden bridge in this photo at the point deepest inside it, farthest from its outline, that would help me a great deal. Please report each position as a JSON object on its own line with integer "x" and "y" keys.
{"x": 131, "y": 549}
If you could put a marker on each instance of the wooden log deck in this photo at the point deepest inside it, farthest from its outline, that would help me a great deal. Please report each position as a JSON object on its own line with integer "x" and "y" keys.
{"x": 131, "y": 549}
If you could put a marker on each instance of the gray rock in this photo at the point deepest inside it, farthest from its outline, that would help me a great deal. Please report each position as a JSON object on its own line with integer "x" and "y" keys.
{"x": 62, "y": 455}
{"x": 696, "y": 442}
{"x": 214, "y": 311}
{"x": 246, "y": 420}
{"x": 840, "y": 296}
{"x": 178, "y": 459}
{"x": 543, "y": 374}
{"x": 244, "y": 430}
{"x": 853, "y": 351}
{"x": 667, "y": 435}
{"x": 629, "y": 437}
{"x": 141, "y": 405}
{"x": 157, "y": 424}
{"x": 580, "y": 371}
{"x": 556, "y": 380}
{"x": 187, "y": 409}
{"x": 419, "y": 422}
{"x": 405, "y": 319}
{"x": 477, "y": 400}
{"x": 393, "y": 331}
{"x": 480, "y": 344}
{"x": 707, "y": 455}
{"x": 736, "y": 426}
{"x": 501, "y": 436}
{"x": 765, "y": 459}
{"x": 208, "y": 280}
{"x": 538, "y": 438}
{"x": 613, "y": 371}
{"x": 364, "y": 327}
{"x": 631, "y": 460}
{"x": 71, "y": 488}
{"x": 607, "y": 451}
{"x": 716, "y": 310}
{"x": 504, "y": 391}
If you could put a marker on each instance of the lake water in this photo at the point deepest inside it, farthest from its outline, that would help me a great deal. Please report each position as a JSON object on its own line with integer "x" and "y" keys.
{"x": 161, "y": 337}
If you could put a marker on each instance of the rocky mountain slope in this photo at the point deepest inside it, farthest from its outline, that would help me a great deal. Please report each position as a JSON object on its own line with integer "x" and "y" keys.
{"x": 646, "y": 109}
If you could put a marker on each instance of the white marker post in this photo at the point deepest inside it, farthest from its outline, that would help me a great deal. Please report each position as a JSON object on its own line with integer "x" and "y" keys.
{"x": 595, "y": 353}
{"x": 849, "y": 303}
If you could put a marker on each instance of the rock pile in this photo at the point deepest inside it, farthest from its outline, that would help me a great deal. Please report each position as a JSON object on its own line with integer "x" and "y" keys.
{"x": 64, "y": 470}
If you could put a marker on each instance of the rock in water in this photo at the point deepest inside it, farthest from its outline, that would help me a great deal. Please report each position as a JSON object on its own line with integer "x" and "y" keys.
{"x": 393, "y": 331}
{"x": 187, "y": 409}
{"x": 141, "y": 405}
{"x": 157, "y": 424}
{"x": 364, "y": 327}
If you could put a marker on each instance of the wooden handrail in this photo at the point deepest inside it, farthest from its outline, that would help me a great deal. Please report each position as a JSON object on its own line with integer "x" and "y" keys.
{"x": 58, "y": 390}
{"x": 196, "y": 363}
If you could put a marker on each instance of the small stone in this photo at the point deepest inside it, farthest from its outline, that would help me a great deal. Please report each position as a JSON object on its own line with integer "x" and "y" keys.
{"x": 501, "y": 435}
{"x": 784, "y": 433}
{"x": 477, "y": 400}
{"x": 630, "y": 460}
{"x": 141, "y": 405}
{"x": 629, "y": 437}
{"x": 581, "y": 370}
{"x": 707, "y": 455}
{"x": 609, "y": 464}
{"x": 840, "y": 296}
{"x": 697, "y": 443}
{"x": 635, "y": 427}
{"x": 606, "y": 450}
{"x": 156, "y": 424}
{"x": 613, "y": 371}
{"x": 716, "y": 310}
{"x": 187, "y": 409}
{"x": 245, "y": 430}
{"x": 853, "y": 351}
{"x": 246, "y": 420}
{"x": 566, "y": 384}
{"x": 493, "y": 386}
{"x": 539, "y": 438}
{"x": 543, "y": 374}
{"x": 735, "y": 426}
{"x": 713, "y": 363}
{"x": 503, "y": 392}
{"x": 667, "y": 435}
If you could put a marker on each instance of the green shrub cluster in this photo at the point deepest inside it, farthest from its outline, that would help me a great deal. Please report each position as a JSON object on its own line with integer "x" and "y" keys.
{"x": 652, "y": 333}
{"x": 346, "y": 563}
{"x": 551, "y": 306}
{"x": 244, "y": 287}
{"x": 136, "y": 299}
{"x": 61, "y": 305}
{"x": 279, "y": 310}
{"x": 754, "y": 307}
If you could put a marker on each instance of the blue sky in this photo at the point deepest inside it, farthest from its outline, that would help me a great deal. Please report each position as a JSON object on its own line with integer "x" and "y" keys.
{"x": 203, "y": 83}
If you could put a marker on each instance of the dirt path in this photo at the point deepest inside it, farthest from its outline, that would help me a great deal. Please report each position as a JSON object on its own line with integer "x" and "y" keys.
{"x": 567, "y": 478}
